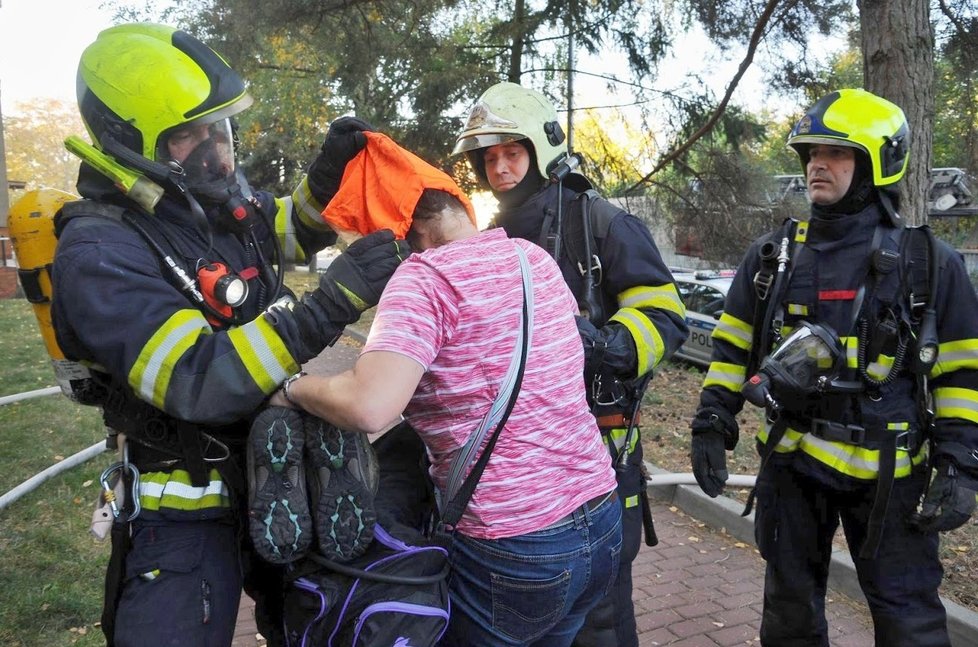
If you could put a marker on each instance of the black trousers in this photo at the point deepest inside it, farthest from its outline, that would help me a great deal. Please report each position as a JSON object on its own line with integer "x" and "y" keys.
{"x": 612, "y": 621}
{"x": 796, "y": 519}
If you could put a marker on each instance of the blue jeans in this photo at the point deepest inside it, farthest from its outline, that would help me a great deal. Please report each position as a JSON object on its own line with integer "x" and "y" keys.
{"x": 533, "y": 589}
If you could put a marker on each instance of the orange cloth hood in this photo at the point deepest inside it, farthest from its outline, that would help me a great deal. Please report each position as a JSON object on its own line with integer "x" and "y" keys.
{"x": 381, "y": 187}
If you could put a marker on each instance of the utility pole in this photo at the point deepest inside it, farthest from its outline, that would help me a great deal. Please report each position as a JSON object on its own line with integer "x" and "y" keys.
{"x": 569, "y": 20}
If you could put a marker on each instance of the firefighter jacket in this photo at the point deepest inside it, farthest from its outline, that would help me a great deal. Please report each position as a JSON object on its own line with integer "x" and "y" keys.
{"x": 836, "y": 437}
{"x": 636, "y": 290}
{"x": 172, "y": 373}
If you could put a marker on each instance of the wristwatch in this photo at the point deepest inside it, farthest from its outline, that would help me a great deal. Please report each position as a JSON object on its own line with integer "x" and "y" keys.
{"x": 288, "y": 383}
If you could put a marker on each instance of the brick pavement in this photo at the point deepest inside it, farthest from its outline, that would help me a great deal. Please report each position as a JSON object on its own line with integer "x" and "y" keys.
{"x": 697, "y": 588}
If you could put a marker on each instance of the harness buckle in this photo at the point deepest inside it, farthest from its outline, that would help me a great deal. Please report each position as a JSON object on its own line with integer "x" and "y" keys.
{"x": 763, "y": 281}
{"x": 829, "y": 430}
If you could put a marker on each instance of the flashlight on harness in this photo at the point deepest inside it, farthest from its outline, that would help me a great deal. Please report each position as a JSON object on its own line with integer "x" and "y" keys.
{"x": 222, "y": 289}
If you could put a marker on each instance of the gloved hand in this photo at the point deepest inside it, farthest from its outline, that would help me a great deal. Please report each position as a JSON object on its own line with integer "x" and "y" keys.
{"x": 714, "y": 431}
{"x": 354, "y": 280}
{"x": 948, "y": 503}
{"x": 610, "y": 346}
{"x": 351, "y": 284}
{"x": 343, "y": 141}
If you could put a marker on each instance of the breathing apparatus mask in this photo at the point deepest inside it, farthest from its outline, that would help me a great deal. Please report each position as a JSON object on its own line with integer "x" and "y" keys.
{"x": 807, "y": 363}
{"x": 202, "y": 160}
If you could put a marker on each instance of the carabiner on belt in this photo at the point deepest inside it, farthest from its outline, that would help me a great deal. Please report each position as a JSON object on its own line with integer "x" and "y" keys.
{"x": 109, "y": 491}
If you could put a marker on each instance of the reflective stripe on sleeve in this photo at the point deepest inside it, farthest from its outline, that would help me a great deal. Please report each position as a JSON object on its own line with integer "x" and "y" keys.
{"x": 285, "y": 231}
{"x": 307, "y": 207}
{"x": 660, "y": 297}
{"x": 734, "y": 331}
{"x": 263, "y": 353}
{"x": 729, "y": 376}
{"x": 150, "y": 374}
{"x": 956, "y": 355}
{"x": 648, "y": 342}
{"x": 956, "y": 402}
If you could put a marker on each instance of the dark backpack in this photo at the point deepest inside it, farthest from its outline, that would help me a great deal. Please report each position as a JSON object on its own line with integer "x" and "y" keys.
{"x": 395, "y": 595}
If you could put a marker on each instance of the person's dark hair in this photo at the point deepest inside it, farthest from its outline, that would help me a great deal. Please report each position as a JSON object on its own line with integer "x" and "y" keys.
{"x": 434, "y": 202}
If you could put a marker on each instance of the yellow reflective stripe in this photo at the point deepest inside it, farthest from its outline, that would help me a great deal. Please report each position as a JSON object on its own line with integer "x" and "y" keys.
{"x": 618, "y": 436}
{"x": 150, "y": 374}
{"x": 797, "y": 309}
{"x": 877, "y": 369}
{"x": 801, "y": 232}
{"x": 263, "y": 353}
{"x": 852, "y": 460}
{"x": 661, "y": 297}
{"x": 285, "y": 231}
{"x": 956, "y": 402}
{"x": 729, "y": 376}
{"x": 851, "y": 344}
{"x": 734, "y": 331}
{"x": 173, "y": 490}
{"x": 955, "y": 355}
{"x": 648, "y": 342}
{"x": 307, "y": 207}
{"x": 631, "y": 501}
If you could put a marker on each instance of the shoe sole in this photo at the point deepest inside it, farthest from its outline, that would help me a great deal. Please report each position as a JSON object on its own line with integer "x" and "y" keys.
{"x": 346, "y": 480}
{"x": 279, "y": 521}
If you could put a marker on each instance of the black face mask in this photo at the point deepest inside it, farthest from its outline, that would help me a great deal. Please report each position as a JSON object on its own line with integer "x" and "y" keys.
{"x": 230, "y": 200}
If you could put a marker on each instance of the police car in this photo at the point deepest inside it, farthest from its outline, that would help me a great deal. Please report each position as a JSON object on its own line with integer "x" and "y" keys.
{"x": 703, "y": 293}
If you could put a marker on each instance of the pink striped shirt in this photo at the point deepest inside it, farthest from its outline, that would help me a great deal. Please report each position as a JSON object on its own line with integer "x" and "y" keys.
{"x": 456, "y": 311}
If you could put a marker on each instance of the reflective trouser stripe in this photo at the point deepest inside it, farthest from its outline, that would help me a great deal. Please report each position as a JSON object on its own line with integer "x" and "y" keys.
{"x": 172, "y": 490}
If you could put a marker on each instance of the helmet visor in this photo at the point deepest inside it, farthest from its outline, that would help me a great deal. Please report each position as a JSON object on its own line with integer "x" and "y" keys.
{"x": 205, "y": 152}
{"x": 484, "y": 140}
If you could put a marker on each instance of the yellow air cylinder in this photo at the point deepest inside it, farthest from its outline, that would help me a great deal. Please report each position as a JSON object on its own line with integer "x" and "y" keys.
{"x": 31, "y": 223}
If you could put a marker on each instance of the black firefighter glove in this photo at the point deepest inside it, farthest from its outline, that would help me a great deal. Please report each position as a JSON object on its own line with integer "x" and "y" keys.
{"x": 610, "y": 347}
{"x": 715, "y": 430}
{"x": 351, "y": 284}
{"x": 948, "y": 504}
{"x": 344, "y": 140}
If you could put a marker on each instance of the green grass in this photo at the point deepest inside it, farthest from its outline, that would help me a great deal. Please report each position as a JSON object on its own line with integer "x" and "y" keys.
{"x": 51, "y": 570}
{"x": 51, "y": 578}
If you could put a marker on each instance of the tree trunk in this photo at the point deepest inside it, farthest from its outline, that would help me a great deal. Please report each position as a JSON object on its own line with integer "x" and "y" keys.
{"x": 516, "y": 46}
{"x": 898, "y": 64}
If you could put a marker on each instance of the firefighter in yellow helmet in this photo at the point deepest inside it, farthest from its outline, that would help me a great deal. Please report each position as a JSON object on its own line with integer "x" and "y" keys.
{"x": 860, "y": 339}
{"x": 167, "y": 280}
{"x": 632, "y": 316}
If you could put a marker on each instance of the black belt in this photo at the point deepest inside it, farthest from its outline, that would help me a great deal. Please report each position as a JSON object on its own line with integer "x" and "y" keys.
{"x": 906, "y": 440}
{"x": 589, "y": 506}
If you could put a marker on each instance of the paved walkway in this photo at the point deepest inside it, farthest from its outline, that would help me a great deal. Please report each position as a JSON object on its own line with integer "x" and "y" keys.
{"x": 697, "y": 588}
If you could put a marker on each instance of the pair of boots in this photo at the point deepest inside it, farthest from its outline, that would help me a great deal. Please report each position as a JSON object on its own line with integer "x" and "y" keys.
{"x": 309, "y": 481}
